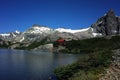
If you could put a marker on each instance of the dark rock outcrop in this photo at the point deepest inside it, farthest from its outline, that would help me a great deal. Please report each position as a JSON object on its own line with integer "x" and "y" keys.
{"x": 109, "y": 24}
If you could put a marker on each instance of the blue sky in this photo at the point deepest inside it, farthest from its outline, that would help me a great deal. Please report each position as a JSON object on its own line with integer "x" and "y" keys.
{"x": 74, "y": 14}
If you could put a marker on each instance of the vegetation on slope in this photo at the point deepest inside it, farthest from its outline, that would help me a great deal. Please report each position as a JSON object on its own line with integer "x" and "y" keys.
{"x": 4, "y": 44}
{"x": 91, "y": 45}
{"x": 33, "y": 45}
{"x": 91, "y": 65}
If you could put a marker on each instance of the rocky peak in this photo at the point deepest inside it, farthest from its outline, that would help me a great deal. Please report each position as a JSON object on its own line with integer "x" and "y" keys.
{"x": 38, "y": 29}
{"x": 34, "y": 25}
{"x": 38, "y": 26}
{"x": 108, "y": 24}
{"x": 111, "y": 13}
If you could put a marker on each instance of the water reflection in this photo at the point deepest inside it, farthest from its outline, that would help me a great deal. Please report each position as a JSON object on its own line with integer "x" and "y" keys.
{"x": 31, "y": 65}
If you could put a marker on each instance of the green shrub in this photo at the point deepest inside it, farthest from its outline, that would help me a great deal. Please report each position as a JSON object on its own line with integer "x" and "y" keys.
{"x": 91, "y": 64}
{"x": 91, "y": 45}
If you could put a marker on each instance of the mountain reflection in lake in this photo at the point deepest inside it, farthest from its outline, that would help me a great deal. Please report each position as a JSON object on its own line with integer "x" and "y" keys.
{"x": 31, "y": 65}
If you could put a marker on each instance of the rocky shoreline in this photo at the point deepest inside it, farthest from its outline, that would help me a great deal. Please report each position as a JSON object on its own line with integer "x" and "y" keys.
{"x": 113, "y": 72}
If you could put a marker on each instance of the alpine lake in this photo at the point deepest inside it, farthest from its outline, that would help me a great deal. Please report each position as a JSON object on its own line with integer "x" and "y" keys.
{"x": 31, "y": 65}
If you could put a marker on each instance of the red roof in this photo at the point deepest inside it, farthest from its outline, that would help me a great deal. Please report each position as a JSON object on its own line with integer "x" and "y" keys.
{"x": 61, "y": 40}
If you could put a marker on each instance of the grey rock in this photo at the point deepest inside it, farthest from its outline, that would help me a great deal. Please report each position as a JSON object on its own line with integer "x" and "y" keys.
{"x": 84, "y": 34}
{"x": 64, "y": 35}
{"x": 108, "y": 24}
{"x": 14, "y": 46}
{"x": 46, "y": 47}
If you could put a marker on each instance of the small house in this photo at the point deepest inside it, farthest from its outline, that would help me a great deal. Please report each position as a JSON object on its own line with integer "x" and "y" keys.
{"x": 61, "y": 41}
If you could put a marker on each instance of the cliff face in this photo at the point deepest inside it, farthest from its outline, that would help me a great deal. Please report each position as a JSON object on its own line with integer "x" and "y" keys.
{"x": 109, "y": 24}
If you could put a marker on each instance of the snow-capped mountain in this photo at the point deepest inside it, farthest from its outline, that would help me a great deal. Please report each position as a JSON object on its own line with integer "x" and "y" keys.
{"x": 9, "y": 36}
{"x": 37, "y": 29}
{"x": 37, "y": 33}
{"x": 109, "y": 24}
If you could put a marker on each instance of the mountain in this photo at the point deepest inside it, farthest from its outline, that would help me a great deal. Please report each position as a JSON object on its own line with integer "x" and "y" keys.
{"x": 38, "y": 32}
{"x": 9, "y": 36}
{"x": 35, "y": 33}
{"x": 109, "y": 24}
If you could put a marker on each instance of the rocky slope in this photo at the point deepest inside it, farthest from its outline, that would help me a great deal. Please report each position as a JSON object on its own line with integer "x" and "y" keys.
{"x": 113, "y": 72}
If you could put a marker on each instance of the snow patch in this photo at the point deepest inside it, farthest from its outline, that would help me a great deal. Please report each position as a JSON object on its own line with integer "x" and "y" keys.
{"x": 5, "y": 35}
{"x": 97, "y": 34}
{"x": 100, "y": 22}
{"x": 92, "y": 29}
{"x": 22, "y": 39}
{"x": 37, "y": 29}
{"x": 114, "y": 31}
{"x": 18, "y": 32}
{"x": 13, "y": 35}
{"x": 70, "y": 30}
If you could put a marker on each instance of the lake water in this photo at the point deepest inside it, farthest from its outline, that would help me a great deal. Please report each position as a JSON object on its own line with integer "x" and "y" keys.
{"x": 31, "y": 65}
